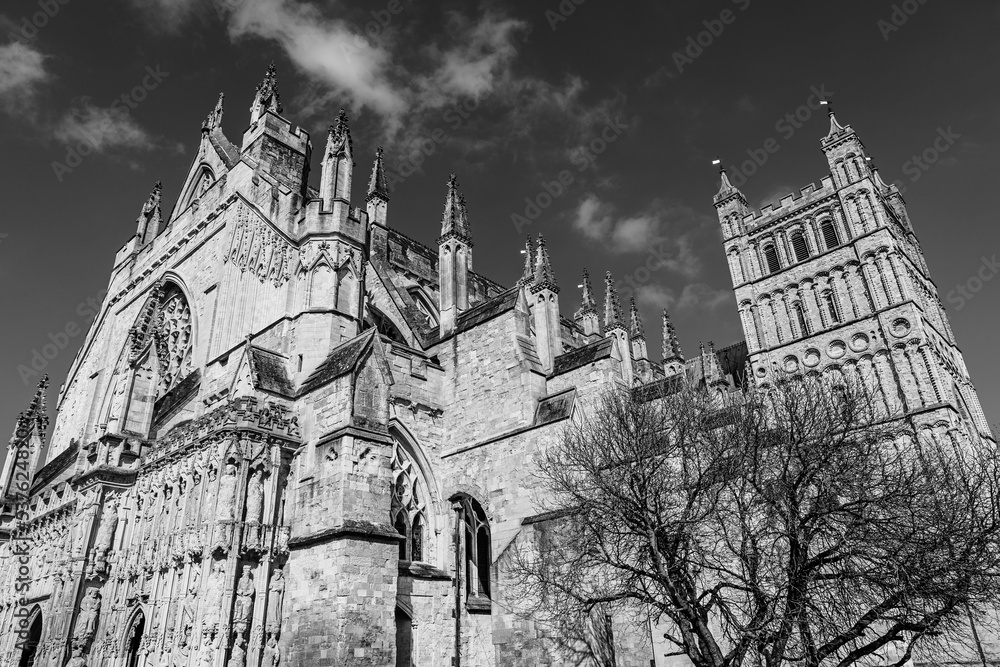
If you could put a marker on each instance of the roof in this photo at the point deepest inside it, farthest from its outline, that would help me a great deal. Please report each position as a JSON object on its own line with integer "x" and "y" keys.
{"x": 270, "y": 373}
{"x": 555, "y": 408}
{"x": 340, "y": 361}
{"x": 224, "y": 147}
{"x": 582, "y": 356}
{"x": 658, "y": 389}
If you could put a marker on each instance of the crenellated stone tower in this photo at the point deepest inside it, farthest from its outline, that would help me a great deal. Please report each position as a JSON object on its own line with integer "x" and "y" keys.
{"x": 833, "y": 281}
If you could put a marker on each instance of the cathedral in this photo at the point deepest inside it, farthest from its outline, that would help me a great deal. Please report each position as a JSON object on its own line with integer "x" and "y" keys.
{"x": 296, "y": 436}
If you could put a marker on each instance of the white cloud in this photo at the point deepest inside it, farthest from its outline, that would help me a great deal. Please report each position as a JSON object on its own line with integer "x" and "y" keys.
{"x": 22, "y": 73}
{"x": 102, "y": 129}
{"x": 693, "y": 297}
{"x": 326, "y": 50}
{"x": 663, "y": 228}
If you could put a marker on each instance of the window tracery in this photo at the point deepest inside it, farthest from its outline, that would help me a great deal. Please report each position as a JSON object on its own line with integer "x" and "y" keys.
{"x": 173, "y": 339}
{"x": 408, "y": 509}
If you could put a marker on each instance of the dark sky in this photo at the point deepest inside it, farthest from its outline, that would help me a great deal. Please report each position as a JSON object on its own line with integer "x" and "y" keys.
{"x": 510, "y": 96}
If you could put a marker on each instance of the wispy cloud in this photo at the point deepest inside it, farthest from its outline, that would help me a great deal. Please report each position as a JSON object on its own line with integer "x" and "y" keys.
{"x": 693, "y": 297}
{"x": 102, "y": 128}
{"x": 410, "y": 87}
{"x": 22, "y": 73}
{"x": 661, "y": 224}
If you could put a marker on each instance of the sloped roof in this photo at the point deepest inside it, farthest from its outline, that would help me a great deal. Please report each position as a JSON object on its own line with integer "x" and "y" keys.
{"x": 341, "y": 360}
{"x": 270, "y": 373}
{"x": 582, "y": 356}
{"x": 229, "y": 153}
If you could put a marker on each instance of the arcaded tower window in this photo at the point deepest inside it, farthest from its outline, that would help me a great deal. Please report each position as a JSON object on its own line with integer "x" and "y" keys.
{"x": 771, "y": 258}
{"x": 829, "y": 235}
{"x": 800, "y": 247}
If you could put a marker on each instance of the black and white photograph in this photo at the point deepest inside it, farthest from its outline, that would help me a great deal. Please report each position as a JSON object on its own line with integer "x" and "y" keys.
{"x": 499, "y": 333}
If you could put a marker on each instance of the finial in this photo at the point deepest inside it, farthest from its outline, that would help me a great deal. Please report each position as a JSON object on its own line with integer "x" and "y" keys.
{"x": 529, "y": 262}
{"x": 589, "y": 303}
{"x": 612, "y": 306}
{"x": 671, "y": 347}
{"x": 835, "y": 127}
{"x": 267, "y": 97}
{"x": 456, "y": 217}
{"x": 544, "y": 276}
{"x": 377, "y": 184}
{"x": 214, "y": 119}
{"x": 635, "y": 320}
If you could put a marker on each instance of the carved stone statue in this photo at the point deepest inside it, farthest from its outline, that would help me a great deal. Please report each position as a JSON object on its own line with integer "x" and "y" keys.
{"x": 238, "y": 656}
{"x": 215, "y": 594}
{"x": 77, "y": 660}
{"x": 227, "y": 494}
{"x": 245, "y": 592}
{"x": 272, "y": 656}
{"x": 255, "y": 496}
{"x": 106, "y": 529}
{"x": 275, "y": 600}
{"x": 86, "y": 621}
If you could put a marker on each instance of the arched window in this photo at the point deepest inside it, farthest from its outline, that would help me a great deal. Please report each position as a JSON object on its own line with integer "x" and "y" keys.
{"x": 173, "y": 339}
{"x": 408, "y": 508}
{"x": 831, "y": 307}
{"x": 829, "y": 234}
{"x": 476, "y": 536}
{"x": 771, "y": 258}
{"x": 133, "y": 640}
{"x": 800, "y": 318}
{"x": 30, "y": 644}
{"x": 800, "y": 247}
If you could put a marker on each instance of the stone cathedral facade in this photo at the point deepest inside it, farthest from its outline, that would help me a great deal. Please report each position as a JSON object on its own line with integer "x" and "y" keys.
{"x": 296, "y": 436}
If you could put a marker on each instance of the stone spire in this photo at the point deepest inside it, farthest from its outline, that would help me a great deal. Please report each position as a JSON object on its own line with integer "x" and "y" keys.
{"x": 529, "y": 262}
{"x": 544, "y": 276}
{"x": 727, "y": 188}
{"x": 214, "y": 119}
{"x": 377, "y": 186}
{"x": 671, "y": 347}
{"x": 589, "y": 305}
{"x": 150, "y": 217}
{"x": 712, "y": 371}
{"x": 612, "y": 306}
{"x": 635, "y": 320}
{"x": 377, "y": 201}
{"x": 266, "y": 97}
{"x": 337, "y": 169}
{"x": 835, "y": 127}
{"x": 342, "y": 134}
{"x": 455, "y": 221}
{"x": 638, "y": 337}
{"x": 29, "y": 437}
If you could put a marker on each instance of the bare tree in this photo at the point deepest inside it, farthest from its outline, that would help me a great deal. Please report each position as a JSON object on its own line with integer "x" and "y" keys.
{"x": 797, "y": 526}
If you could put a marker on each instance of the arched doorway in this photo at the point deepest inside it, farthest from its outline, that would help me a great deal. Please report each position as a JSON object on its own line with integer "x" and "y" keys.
{"x": 32, "y": 641}
{"x": 133, "y": 639}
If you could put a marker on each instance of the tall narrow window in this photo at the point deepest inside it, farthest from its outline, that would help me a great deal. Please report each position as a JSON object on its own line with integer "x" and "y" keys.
{"x": 133, "y": 640}
{"x": 407, "y": 507}
{"x": 800, "y": 319}
{"x": 477, "y": 548}
{"x": 831, "y": 307}
{"x": 771, "y": 259}
{"x": 829, "y": 235}
{"x": 800, "y": 247}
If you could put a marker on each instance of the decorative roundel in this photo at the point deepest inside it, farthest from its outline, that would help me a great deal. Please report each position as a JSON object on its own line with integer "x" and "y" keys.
{"x": 761, "y": 371}
{"x": 812, "y": 357}
{"x": 859, "y": 342}
{"x": 791, "y": 364}
{"x": 836, "y": 349}
{"x": 900, "y": 327}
